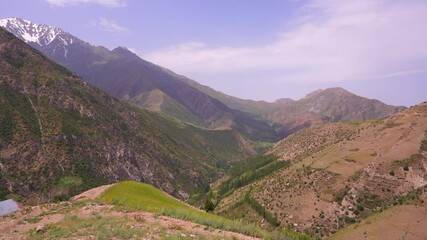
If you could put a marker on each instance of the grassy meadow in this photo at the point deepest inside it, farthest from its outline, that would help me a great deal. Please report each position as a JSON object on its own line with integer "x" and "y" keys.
{"x": 139, "y": 196}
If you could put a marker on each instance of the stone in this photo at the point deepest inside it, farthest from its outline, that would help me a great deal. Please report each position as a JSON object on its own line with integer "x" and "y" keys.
{"x": 41, "y": 229}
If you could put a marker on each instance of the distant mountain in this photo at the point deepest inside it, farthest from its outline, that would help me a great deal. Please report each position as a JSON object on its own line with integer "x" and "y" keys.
{"x": 321, "y": 106}
{"x": 329, "y": 105}
{"x": 244, "y": 105}
{"x": 56, "y": 129}
{"x": 126, "y": 76}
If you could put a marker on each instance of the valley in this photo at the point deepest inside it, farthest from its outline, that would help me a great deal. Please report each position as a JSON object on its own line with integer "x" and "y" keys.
{"x": 165, "y": 157}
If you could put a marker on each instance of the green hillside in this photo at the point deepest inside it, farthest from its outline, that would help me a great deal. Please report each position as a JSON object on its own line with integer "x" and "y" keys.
{"x": 140, "y": 196}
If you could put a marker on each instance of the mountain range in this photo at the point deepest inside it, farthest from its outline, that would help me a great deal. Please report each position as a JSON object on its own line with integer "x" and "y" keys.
{"x": 54, "y": 125}
{"x": 321, "y": 106}
{"x": 128, "y": 77}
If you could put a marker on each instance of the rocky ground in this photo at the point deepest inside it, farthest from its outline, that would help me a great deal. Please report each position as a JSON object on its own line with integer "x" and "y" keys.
{"x": 84, "y": 218}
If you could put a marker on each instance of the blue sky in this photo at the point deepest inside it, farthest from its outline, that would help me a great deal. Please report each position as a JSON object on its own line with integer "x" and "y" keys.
{"x": 260, "y": 49}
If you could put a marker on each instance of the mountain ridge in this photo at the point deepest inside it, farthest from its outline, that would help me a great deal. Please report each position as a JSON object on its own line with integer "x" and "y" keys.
{"x": 126, "y": 76}
{"x": 323, "y": 105}
{"x": 131, "y": 78}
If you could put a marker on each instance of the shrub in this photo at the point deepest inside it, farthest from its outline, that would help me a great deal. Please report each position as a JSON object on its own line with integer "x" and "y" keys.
{"x": 406, "y": 168}
{"x": 209, "y": 206}
{"x": 341, "y": 194}
{"x": 69, "y": 185}
{"x": 3, "y": 189}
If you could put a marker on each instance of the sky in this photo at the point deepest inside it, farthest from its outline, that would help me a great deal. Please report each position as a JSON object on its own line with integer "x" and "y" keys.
{"x": 260, "y": 49}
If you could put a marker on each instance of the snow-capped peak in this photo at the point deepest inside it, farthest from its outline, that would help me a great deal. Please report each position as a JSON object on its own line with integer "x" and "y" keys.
{"x": 29, "y": 31}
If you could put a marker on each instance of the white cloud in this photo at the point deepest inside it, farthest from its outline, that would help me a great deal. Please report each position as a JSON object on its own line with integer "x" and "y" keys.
{"x": 331, "y": 41}
{"x": 107, "y": 3}
{"x": 108, "y": 25}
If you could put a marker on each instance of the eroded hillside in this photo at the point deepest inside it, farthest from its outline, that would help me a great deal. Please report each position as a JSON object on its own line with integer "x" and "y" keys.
{"x": 340, "y": 173}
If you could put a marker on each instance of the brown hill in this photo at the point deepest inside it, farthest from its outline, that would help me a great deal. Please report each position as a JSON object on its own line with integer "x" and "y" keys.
{"x": 342, "y": 172}
{"x": 329, "y": 105}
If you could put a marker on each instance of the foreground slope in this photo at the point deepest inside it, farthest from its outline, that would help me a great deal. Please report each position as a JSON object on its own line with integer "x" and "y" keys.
{"x": 128, "y": 77}
{"x": 56, "y": 130}
{"x": 343, "y": 172}
{"x": 92, "y": 221}
{"x": 89, "y": 219}
{"x": 127, "y": 210}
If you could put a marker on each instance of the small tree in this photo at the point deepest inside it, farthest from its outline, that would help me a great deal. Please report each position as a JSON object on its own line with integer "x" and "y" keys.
{"x": 209, "y": 206}
{"x": 69, "y": 185}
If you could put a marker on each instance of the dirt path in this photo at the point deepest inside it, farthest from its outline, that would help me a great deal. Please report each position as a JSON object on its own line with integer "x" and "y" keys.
{"x": 92, "y": 193}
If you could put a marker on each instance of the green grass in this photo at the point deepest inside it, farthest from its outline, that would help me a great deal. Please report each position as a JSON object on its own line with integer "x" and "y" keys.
{"x": 140, "y": 196}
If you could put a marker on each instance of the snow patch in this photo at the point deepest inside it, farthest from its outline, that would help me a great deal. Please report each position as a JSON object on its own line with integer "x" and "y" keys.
{"x": 313, "y": 109}
{"x": 29, "y": 38}
{"x": 31, "y": 32}
{"x": 65, "y": 52}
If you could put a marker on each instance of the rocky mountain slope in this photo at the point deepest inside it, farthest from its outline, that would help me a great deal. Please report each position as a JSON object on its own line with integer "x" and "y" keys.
{"x": 126, "y": 76}
{"x": 56, "y": 129}
{"x": 341, "y": 173}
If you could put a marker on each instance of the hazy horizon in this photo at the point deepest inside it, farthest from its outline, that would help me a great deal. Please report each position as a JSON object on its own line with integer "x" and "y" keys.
{"x": 253, "y": 50}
